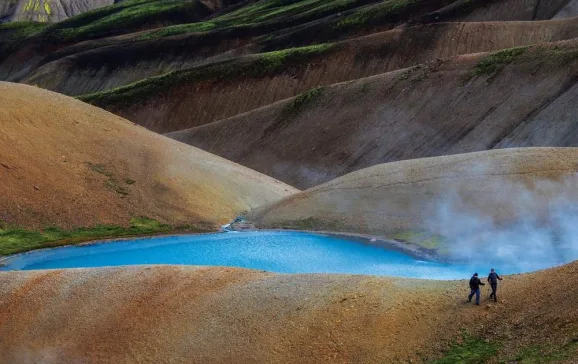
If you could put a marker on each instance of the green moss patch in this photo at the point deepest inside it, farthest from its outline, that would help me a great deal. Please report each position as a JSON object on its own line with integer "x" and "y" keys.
{"x": 263, "y": 65}
{"x": 15, "y": 240}
{"x": 178, "y": 29}
{"x": 310, "y": 223}
{"x": 423, "y": 238}
{"x": 494, "y": 61}
{"x": 263, "y": 17}
{"x": 112, "y": 182}
{"x": 306, "y": 98}
{"x": 539, "y": 354}
{"x": 124, "y": 17}
{"x": 23, "y": 29}
{"x": 386, "y": 11}
{"x": 469, "y": 350}
{"x": 540, "y": 55}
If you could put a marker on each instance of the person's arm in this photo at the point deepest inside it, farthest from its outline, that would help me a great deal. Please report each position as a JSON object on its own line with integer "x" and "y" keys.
{"x": 489, "y": 275}
{"x": 499, "y": 277}
{"x": 481, "y": 283}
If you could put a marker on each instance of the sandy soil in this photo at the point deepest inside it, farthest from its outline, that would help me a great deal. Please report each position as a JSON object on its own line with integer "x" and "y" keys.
{"x": 171, "y": 314}
{"x": 65, "y": 163}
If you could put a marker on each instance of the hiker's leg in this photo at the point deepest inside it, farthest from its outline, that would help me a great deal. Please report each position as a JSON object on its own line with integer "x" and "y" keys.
{"x": 472, "y": 292}
{"x": 494, "y": 291}
{"x": 478, "y": 296}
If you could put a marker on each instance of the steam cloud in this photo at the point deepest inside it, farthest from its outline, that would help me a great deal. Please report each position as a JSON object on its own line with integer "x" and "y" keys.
{"x": 541, "y": 229}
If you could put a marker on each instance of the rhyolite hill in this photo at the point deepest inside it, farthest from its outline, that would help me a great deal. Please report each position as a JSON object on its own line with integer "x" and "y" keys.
{"x": 371, "y": 81}
{"x": 67, "y": 164}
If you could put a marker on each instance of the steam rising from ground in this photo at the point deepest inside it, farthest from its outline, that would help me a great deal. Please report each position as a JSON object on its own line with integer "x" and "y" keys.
{"x": 541, "y": 228}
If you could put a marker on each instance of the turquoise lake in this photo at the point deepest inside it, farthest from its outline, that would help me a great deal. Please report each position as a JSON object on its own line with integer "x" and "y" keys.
{"x": 283, "y": 252}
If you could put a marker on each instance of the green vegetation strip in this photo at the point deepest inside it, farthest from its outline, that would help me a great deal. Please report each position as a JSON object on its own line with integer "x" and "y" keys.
{"x": 14, "y": 240}
{"x": 124, "y": 17}
{"x": 307, "y": 97}
{"x": 121, "y": 18}
{"x": 310, "y": 223}
{"x": 493, "y": 62}
{"x": 469, "y": 350}
{"x": 22, "y": 29}
{"x": 546, "y": 354}
{"x": 387, "y": 10}
{"x": 270, "y": 16}
{"x": 299, "y": 103}
{"x": 423, "y": 238}
{"x": 265, "y": 64}
{"x": 540, "y": 54}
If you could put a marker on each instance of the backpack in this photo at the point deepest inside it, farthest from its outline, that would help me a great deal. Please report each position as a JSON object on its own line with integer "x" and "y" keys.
{"x": 473, "y": 282}
{"x": 493, "y": 277}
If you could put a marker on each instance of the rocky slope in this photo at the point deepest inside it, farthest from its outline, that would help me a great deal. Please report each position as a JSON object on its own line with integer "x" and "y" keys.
{"x": 185, "y": 99}
{"x": 65, "y": 163}
{"x": 514, "y": 98}
{"x": 221, "y": 30}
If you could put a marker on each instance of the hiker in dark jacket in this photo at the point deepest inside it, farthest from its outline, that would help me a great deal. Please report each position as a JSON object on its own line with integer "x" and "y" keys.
{"x": 475, "y": 284}
{"x": 493, "y": 280}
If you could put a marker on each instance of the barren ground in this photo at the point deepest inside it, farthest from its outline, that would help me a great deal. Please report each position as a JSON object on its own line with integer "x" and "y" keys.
{"x": 171, "y": 314}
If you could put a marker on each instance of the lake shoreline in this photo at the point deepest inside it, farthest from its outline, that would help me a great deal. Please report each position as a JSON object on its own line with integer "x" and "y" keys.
{"x": 412, "y": 250}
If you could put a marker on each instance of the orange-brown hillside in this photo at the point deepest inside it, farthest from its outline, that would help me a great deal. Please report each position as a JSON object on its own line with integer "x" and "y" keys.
{"x": 65, "y": 163}
{"x": 172, "y": 314}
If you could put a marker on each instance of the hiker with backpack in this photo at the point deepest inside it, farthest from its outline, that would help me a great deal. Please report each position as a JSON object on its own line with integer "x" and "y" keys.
{"x": 493, "y": 278}
{"x": 475, "y": 284}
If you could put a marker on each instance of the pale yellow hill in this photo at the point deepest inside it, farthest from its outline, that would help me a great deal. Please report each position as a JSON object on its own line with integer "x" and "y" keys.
{"x": 435, "y": 194}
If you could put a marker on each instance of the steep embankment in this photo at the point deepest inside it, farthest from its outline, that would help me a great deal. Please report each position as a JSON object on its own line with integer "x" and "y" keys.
{"x": 47, "y": 10}
{"x": 20, "y": 52}
{"x": 108, "y": 67}
{"x": 514, "y": 98}
{"x": 271, "y": 24}
{"x": 64, "y": 163}
{"x": 110, "y": 62}
{"x": 453, "y": 197}
{"x": 201, "y": 95}
{"x": 236, "y": 22}
{"x": 174, "y": 314}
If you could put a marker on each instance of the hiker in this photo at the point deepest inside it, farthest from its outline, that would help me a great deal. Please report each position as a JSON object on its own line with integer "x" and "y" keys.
{"x": 493, "y": 278}
{"x": 475, "y": 284}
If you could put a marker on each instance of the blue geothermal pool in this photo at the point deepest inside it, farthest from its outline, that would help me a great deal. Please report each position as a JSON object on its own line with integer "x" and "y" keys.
{"x": 283, "y": 252}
